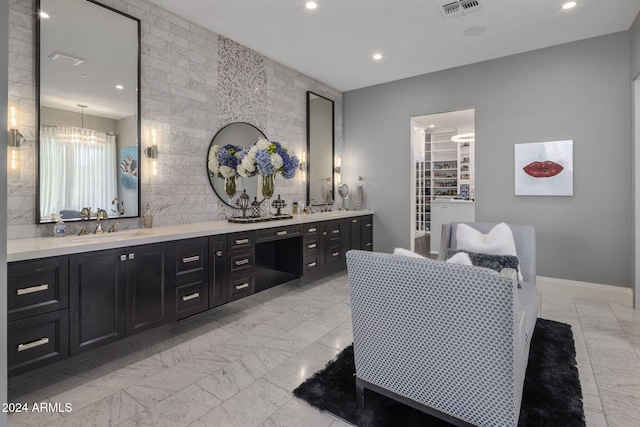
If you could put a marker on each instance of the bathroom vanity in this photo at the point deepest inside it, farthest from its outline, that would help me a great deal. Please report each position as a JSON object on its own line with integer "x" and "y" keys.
{"x": 73, "y": 294}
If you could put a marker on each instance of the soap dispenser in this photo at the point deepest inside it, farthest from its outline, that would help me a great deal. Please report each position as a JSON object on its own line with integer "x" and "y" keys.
{"x": 60, "y": 229}
{"x": 147, "y": 218}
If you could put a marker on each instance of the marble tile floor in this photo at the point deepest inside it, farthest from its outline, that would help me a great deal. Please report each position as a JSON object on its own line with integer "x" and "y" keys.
{"x": 237, "y": 365}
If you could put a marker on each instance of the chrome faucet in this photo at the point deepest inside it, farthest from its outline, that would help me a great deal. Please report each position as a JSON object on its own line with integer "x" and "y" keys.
{"x": 81, "y": 231}
{"x": 119, "y": 206}
{"x": 100, "y": 214}
{"x": 86, "y": 213}
{"x": 113, "y": 228}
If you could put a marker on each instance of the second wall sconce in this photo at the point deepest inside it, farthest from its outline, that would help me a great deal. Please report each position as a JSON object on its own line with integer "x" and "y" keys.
{"x": 15, "y": 140}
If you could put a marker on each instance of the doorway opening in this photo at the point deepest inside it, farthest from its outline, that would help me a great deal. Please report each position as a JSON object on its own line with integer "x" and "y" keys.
{"x": 444, "y": 168}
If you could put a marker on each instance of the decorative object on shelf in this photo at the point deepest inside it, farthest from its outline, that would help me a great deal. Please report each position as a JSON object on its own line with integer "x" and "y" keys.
{"x": 544, "y": 169}
{"x": 268, "y": 185}
{"x": 279, "y": 204}
{"x": 249, "y": 220}
{"x": 243, "y": 203}
{"x": 343, "y": 191}
{"x": 358, "y": 199}
{"x": 223, "y": 162}
{"x": 255, "y": 208}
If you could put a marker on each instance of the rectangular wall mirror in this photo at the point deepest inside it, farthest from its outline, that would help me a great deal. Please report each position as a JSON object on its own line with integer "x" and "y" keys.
{"x": 320, "y": 141}
{"x": 88, "y": 110}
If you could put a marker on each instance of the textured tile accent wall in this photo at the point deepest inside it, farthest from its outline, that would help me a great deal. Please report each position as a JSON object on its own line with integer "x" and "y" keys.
{"x": 194, "y": 81}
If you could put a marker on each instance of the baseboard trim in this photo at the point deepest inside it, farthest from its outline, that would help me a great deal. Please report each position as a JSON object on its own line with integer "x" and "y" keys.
{"x": 586, "y": 290}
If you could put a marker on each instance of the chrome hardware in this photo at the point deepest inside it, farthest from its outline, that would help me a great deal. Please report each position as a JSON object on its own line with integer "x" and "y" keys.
{"x": 32, "y": 289}
{"x": 368, "y": 244}
{"x": 113, "y": 228}
{"x": 243, "y": 286}
{"x": 312, "y": 230}
{"x": 132, "y": 256}
{"x": 241, "y": 241}
{"x": 123, "y": 257}
{"x": 190, "y": 297}
{"x": 324, "y": 233}
{"x": 335, "y": 253}
{"x": 368, "y": 225}
{"x": 100, "y": 214}
{"x": 335, "y": 231}
{"x": 191, "y": 259}
{"x": 36, "y": 343}
{"x": 243, "y": 261}
{"x": 86, "y": 213}
{"x": 311, "y": 264}
{"x": 219, "y": 253}
{"x": 312, "y": 245}
{"x": 119, "y": 206}
{"x": 353, "y": 221}
{"x": 281, "y": 233}
{"x": 81, "y": 231}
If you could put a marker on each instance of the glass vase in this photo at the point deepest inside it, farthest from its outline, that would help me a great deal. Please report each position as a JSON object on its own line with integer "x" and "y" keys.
{"x": 268, "y": 186}
{"x": 230, "y": 187}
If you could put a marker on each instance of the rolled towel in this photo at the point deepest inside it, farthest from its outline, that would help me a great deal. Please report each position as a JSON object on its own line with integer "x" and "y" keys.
{"x": 359, "y": 196}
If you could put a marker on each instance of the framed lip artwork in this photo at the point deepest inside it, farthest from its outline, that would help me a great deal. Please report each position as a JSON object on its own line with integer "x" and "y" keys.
{"x": 544, "y": 168}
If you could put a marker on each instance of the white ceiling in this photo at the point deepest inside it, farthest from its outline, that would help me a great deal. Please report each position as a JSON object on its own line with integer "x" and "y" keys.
{"x": 335, "y": 42}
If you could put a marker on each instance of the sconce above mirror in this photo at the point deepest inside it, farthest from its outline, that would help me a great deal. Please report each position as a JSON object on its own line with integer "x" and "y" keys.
{"x": 88, "y": 65}
{"x": 320, "y": 157}
{"x": 239, "y": 134}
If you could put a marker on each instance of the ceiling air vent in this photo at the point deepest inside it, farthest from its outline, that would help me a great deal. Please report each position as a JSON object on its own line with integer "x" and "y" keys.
{"x": 66, "y": 58}
{"x": 456, "y": 9}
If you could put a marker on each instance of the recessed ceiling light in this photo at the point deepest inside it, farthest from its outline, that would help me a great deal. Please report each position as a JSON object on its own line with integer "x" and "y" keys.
{"x": 83, "y": 75}
{"x": 432, "y": 126}
{"x": 569, "y": 5}
{"x": 474, "y": 31}
{"x": 311, "y": 5}
{"x": 119, "y": 87}
{"x": 44, "y": 15}
{"x": 377, "y": 56}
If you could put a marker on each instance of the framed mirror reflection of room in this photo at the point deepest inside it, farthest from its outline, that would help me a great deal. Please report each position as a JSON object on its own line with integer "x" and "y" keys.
{"x": 320, "y": 149}
{"x": 88, "y": 75}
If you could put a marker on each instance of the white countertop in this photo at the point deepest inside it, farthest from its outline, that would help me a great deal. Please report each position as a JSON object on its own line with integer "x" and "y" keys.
{"x": 452, "y": 201}
{"x": 42, "y": 247}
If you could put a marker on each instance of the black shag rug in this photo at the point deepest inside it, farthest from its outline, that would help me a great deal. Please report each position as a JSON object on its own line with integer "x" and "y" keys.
{"x": 552, "y": 395}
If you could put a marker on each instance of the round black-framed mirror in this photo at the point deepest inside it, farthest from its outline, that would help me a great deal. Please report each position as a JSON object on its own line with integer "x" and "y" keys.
{"x": 240, "y": 134}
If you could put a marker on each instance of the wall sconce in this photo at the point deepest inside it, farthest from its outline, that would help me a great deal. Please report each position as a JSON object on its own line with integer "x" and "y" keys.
{"x": 337, "y": 168}
{"x": 303, "y": 166}
{"x": 15, "y": 140}
{"x": 152, "y": 153}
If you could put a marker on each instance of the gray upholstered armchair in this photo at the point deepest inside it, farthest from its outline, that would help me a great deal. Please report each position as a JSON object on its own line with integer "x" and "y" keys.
{"x": 451, "y": 340}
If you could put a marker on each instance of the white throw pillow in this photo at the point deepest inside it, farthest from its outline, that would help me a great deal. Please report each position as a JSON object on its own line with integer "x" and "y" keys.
{"x": 406, "y": 252}
{"x": 499, "y": 241}
{"x": 460, "y": 258}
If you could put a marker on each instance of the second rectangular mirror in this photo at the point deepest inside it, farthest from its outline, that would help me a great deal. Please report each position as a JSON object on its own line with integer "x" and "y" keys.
{"x": 320, "y": 140}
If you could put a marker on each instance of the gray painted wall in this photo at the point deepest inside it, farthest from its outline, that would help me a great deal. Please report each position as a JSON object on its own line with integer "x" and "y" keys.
{"x": 4, "y": 76}
{"x": 634, "y": 37}
{"x": 579, "y": 91}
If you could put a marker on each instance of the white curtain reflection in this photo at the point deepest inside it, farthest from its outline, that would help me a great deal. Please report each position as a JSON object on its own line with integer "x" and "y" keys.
{"x": 78, "y": 169}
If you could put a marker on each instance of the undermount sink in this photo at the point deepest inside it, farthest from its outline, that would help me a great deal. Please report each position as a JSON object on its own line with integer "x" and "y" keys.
{"x": 95, "y": 238}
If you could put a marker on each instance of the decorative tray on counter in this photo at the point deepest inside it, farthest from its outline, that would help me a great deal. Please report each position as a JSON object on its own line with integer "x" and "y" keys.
{"x": 248, "y": 219}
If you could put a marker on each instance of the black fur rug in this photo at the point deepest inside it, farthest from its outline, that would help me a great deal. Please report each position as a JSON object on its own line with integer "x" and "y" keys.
{"x": 552, "y": 395}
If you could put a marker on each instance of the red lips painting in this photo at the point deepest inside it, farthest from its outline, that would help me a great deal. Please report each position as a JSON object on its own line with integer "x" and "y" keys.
{"x": 544, "y": 169}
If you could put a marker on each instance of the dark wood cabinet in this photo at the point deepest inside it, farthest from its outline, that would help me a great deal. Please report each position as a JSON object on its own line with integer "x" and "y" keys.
{"x": 148, "y": 290}
{"x": 217, "y": 285}
{"x": 240, "y": 265}
{"x": 97, "y": 299}
{"x": 191, "y": 264}
{"x": 333, "y": 236}
{"x": 360, "y": 233}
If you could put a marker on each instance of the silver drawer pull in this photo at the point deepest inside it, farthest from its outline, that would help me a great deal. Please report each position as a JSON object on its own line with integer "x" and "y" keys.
{"x": 191, "y": 259}
{"x": 312, "y": 264}
{"x": 281, "y": 233}
{"x": 190, "y": 297}
{"x": 243, "y": 261}
{"x": 243, "y": 286}
{"x": 241, "y": 241}
{"x": 335, "y": 254}
{"x": 312, "y": 246}
{"x": 335, "y": 231}
{"x": 32, "y": 289}
{"x": 368, "y": 225}
{"x": 353, "y": 221}
{"x": 219, "y": 253}
{"x": 368, "y": 244}
{"x": 36, "y": 343}
{"x": 312, "y": 230}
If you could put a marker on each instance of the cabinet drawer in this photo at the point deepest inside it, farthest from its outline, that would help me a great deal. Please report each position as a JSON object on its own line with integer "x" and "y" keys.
{"x": 278, "y": 233}
{"x": 239, "y": 241}
{"x": 311, "y": 247}
{"x": 334, "y": 255}
{"x": 367, "y": 241}
{"x": 240, "y": 286}
{"x": 191, "y": 257}
{"x": 241, "y": 261}
{"x": 37, "y": 341}
{"x": 310, "y": 230}
{"x": 37, "y": 287}
{"x": 191, "y": 298}
{"x": 311, "y": 264}
{"x": 367, "y": 223}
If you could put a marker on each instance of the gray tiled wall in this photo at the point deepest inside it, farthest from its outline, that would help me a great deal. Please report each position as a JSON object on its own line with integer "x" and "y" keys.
{"x": 194, "y": 81}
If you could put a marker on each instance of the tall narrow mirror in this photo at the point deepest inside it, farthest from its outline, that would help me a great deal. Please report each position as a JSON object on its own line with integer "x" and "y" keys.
{"x": 89, "y": 110}
{"x": 320, "y": 140}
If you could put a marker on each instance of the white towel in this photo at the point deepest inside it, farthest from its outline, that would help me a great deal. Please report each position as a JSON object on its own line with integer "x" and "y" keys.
{"x": 359, "y": 196}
